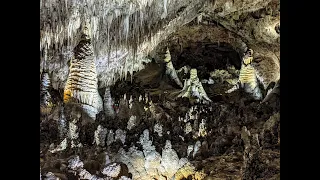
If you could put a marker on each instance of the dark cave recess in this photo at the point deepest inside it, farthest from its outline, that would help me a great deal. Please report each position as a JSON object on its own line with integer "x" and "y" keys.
{"x": 205, "y": 57}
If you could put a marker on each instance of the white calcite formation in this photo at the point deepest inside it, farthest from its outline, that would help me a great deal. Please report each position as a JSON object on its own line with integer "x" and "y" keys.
{"x": 62, "y": 124}
{"x": 50, "y": 176}
{"x": 108, "y": 104}
{"x": 100, "y": 135}
{"x": 110, "y": 137}
{"x": 46, "y": 103}
{"x": 62, "y": 146}
{"x": 189, "y": 150}
{"x": 148, "y": 163}
{"x": 188, "y": 128}
{"x": 193, "y": 89}
{"x": 120, "y": 135}
{"x": 170, "y": 70}
{"x": 202, "y": 128}
{"x": 74, "y": 134}
{"x": 169, "y": 161}
{"x": 112, "y": 170}
{"x": 76, "y": 166}
{"x": 132, "y": 122}
{"x": 196, "y": 148}
{"x": 158, "y": 129}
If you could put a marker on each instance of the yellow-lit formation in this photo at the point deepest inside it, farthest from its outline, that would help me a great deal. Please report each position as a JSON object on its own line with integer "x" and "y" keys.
{"x": 82, "y": 84}
{"x": 193, "y": 74}
{"x": 247, "y": 78}
{"x": 188, "y": 170}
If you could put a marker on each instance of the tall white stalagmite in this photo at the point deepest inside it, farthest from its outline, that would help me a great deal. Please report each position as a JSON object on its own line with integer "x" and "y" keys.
{"x": 170, "y": 70}
{"x": 82, "y": 84}
{"x": 108, "y": 103}
{"x": 46, "y": 103}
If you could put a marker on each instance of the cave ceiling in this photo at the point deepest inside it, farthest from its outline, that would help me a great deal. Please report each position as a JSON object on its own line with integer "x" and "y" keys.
{"x": 125, "y": 33}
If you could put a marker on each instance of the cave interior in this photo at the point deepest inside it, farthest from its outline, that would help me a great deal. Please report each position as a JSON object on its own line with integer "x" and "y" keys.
{"x": 146, "y": 130}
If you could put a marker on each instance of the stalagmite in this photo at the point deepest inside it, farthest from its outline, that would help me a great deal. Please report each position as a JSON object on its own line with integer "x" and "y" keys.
{"x": 62, "y": 124}
{"x": 193, "y": 89}
{"x": 108, "y": 104}
{"x": 82, "y": 84}
{"x": 46, "y": 103}
{"x": 100, "y": 135}
{"x": 247, "y": 77}
{"x": 170, "y": 70}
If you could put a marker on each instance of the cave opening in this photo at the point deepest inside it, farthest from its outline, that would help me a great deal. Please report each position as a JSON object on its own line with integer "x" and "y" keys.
{"x": 206, "y": 57}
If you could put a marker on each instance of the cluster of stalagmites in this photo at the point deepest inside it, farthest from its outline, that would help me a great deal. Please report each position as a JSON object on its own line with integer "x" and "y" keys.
{"x": 145, "y": 164}
{"x": 150, "y": 164}
{"x": 81, "y": 91}
{"x": 109, "y": 171}
{"x": 259, "y": 67}
{"x": 142, "y": 164}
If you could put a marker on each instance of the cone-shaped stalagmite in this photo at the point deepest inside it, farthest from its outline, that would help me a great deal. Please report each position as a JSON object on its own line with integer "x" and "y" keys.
{"x": 46, "y": 103}
{"x": 193, "y": 89}
{"x": 247, "y": 78}
{"x": 170, "y": 70}
{"x": 108, "y": 103}
{"x": 82, "y": 84}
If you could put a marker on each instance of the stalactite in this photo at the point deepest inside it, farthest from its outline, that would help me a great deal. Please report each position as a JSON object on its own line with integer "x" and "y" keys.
{"x": 106, "y": 19}
{"x": 126, "y": 27}
{"x": 164, "y": 14}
